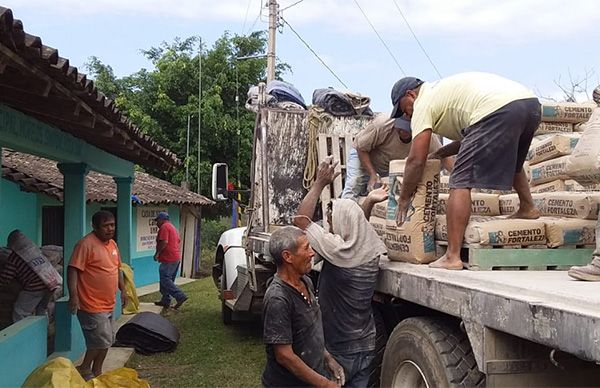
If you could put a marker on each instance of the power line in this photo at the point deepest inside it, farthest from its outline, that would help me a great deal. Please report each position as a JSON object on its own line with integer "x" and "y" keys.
{"x": 246, "y": 17}
{"x": 417, "y": 39}
{"x": 256, "y": 19}
{"x": 313, "y": 52}
{"x": 380, "y": 38}
{"x": 290, "y": 6}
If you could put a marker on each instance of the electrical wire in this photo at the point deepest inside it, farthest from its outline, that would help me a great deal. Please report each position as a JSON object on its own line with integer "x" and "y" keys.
{"x": 290, "y": 6}
{"x": 246, "y": 17}
{"x": 417, "y": 39}
{"x": 313, "y": 52}
{"x": 380, "y": 38}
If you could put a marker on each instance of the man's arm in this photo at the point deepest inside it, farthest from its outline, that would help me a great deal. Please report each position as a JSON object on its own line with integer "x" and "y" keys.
{"x": 285, "y": 356}
{"x": 365, "y": 162}
{"x": 160, "y": 246}
{"x": 72, "y": 279}
{"x": 375, "y": 196}
{"x": 415, "y": 164}
{"x": 325, "y": 175}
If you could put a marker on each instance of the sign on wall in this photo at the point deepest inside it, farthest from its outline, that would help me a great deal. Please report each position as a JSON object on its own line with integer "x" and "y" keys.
{"x": 146, "y": 227}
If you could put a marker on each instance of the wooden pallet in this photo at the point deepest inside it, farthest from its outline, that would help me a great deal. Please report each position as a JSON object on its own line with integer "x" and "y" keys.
{"x": 339, "y": 146}
{"x": 516, "y": 257}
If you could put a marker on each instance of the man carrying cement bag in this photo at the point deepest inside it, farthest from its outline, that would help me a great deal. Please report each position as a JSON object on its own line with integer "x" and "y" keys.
{"x": 491, "y": 120}
{"x": 351, "y": 250}
{"x": 380, "y": 142}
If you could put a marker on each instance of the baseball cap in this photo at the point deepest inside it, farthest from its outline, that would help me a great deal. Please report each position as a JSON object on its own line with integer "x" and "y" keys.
{"x": 399, "y": 90}
{"x": 162, "y": 216}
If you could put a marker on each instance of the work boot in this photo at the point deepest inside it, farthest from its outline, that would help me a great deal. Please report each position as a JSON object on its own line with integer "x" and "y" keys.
{"x": 162, "y": 304}
{"x": 590, "y": 272}
{"x": 180, "y": 302}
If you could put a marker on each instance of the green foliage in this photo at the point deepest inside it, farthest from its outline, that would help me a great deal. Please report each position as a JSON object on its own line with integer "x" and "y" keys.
{"x": 159, "y": 101}
{"x": 211, "y": 231}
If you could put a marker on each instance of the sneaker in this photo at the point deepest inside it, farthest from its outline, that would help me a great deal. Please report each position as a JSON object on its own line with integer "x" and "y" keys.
{"x": 180, "y": 302}
{"x": 590, "y": 273}
{"x": 162, "y": 304}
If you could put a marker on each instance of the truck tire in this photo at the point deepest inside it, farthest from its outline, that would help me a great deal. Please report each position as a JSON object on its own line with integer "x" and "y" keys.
{"x": 381, "y": 337}
{"x": 226, "y": 313}
{"x": 429, "y": 352}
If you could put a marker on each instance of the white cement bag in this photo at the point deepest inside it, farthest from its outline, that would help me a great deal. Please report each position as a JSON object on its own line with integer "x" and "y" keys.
{"x": 573, "y": 185}
{"x": 553, "y": 147}
{"x": 509, "y": 204}
{"x": 380, "y": 210}
{"x": 414, "y": 241}
{"x": 567, "y": 204}
{"x": 557, "y": 185}
{"x": 481, "y": 204}
{"x": 569, "y": 231}
{"x": 497, "y": 231}
{"x": 549, "y": 170}
{"x": 546, "y": 128}
{"x": 584, "y": 163}
{"x": 444, "y": 184}
{"x": 566, "y": 112}
{"x": 379, "y": 224}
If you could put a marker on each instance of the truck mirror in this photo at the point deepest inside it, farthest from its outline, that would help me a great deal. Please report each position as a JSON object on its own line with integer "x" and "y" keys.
{"x": 219, "y": 181}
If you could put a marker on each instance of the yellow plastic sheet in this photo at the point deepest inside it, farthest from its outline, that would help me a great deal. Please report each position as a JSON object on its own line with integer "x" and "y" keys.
{"x": 60, "y": 372}
{"x": 133, "y": 306}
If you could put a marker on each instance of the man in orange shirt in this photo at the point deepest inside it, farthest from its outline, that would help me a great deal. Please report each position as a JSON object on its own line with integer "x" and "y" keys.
{"x": 93, "y": 279}
{"x": 168, "y": 254}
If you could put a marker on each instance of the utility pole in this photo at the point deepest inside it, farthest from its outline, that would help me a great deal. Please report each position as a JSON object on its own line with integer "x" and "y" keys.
{"x": 273, "y": 18}
{"x": 199, "y": 176}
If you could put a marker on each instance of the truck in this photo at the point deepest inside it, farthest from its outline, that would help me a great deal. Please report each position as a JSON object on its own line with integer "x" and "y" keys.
{"x": 435, "y": 328}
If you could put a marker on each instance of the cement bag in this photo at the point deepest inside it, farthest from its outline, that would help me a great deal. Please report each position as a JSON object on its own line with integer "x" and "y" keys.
{"x": 380, "y": 210}
{"x": 471, "y": 234}
{"x": 509, "y": 204}
{"x": 567, "y": 204}
{"x": 566, "y": 112}
{"x": 414, "y": 241}
{"x": 444, "y": 184}
{"x": 481, "y": 204}
{"x": 557, "y": 185}
{"x": 546, "y": 128}
{"x": 584, "y": 163}
{"x": 379, "y": 224}
{"x": 569, "y": 231}
{"x": 503, "y": 231}
{"x": 572, "y": 185}
{"x": 553, "y": 147}
{"x": 579, "y": 127}
{"x": 549, "y": 170}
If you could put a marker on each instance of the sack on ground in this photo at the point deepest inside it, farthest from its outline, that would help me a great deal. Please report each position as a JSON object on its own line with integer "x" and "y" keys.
{"x": 549, "y": 170}
{"x": 546, "y": 128}
{"x": 584, "y": 163}
{"x": 566, "y": 112}
{"x": 481, "y": 204}
{"x": 569, "y": 231}
{"x": 414, "y": 241}
{"x": 553, "y": 147}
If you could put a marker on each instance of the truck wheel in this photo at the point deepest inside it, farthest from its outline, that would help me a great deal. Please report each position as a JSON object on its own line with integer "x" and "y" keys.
{"x": 226, "y": 313}
{"x": 381, "y": 337}
{"x": 429, "y": 352}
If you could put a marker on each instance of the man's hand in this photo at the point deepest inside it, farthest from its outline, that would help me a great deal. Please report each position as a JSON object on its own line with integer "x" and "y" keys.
{"x": 378, "y": 195}
{"x": 374, "y": 182}
{"x": 73, "y": 304}
{"x": 336, "y": 370}
{"x": 401, "y": 212}
{"x": 326, "y": 172}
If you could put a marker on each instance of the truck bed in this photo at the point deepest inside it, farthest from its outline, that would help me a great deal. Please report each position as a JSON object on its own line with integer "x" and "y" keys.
{"x": 547, "y": 307}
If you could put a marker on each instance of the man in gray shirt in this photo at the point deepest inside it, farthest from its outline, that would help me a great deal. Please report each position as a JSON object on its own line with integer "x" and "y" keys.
{"x": 351, "y": 251}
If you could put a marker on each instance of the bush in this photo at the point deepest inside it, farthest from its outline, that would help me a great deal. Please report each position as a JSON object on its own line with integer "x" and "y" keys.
{"x": 211, "y": 231}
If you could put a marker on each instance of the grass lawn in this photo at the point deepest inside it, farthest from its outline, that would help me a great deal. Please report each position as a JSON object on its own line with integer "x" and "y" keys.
{"x": 209, "y": 354}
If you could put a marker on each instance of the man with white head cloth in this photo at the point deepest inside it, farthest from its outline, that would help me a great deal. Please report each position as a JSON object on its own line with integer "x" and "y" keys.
{"x": 351, "y": 252}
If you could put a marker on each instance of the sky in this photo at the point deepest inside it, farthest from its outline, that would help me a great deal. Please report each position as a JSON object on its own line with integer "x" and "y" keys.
{"x": 543, "y": 44}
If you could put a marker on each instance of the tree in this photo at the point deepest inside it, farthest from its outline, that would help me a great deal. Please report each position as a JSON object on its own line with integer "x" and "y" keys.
{"x": 160, "y": 100}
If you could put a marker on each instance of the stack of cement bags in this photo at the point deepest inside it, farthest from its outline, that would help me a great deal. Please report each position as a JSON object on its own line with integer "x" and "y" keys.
{"x": 8, "y": 293}
{"x": 554, "y": 142}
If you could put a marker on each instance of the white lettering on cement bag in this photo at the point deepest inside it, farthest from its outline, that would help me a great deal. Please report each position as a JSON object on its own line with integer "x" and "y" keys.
{"x": 481, "y": 204}
{"x": 584, "y": 163}
{"x": 569, "y": 231}
{"x": 566, "y": 112}
{"x": 553, "y": 147}
{"x": 414, "y": 241}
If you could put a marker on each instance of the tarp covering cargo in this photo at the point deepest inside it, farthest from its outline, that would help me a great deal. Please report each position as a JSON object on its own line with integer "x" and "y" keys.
{"x": 148, "y": 333}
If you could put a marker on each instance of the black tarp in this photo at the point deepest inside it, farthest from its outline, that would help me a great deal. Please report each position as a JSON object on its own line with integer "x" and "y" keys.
{"x": 148, "y": 333}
